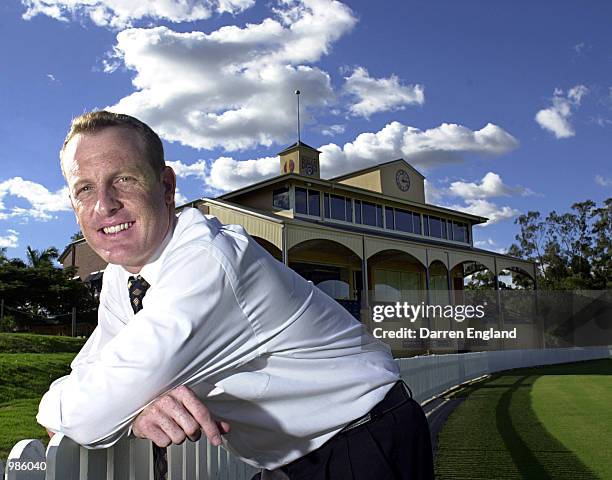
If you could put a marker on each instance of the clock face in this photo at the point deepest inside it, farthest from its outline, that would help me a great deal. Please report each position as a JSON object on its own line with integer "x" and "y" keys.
{"x": 402, "y": 179}
{"x": 310, "y": 167}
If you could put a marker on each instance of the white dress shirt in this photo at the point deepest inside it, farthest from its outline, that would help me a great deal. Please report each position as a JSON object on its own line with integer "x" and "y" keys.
{"x": 284, "y": 364}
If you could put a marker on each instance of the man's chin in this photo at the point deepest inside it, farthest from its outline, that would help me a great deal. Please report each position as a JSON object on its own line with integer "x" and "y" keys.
{"x": 119, "y": 257}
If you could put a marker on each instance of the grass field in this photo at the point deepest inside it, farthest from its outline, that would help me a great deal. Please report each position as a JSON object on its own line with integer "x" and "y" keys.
{"x": 537, "y": 423}
{"x": 28, "y": 364}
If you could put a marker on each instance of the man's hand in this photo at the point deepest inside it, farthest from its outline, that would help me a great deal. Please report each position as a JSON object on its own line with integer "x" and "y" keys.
{"x": 177, "y": 415}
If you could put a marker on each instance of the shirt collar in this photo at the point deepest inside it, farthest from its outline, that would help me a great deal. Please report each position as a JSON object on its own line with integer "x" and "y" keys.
{"x": 150, "y": 271}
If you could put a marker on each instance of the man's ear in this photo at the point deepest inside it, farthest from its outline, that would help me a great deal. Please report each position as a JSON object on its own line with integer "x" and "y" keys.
{"x": 168, "y": 179}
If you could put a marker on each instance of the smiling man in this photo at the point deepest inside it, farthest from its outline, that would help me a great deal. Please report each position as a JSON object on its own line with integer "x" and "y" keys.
{"x": 190, "y": 339}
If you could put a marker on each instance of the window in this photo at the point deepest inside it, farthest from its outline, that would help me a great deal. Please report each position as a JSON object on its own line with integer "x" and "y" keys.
{"x": 301, "y": 200}
{"x": 389, "y": 218}
{"x": 280, "y": 198}
{"x": 460, "y": 232}
{"x": 435, "y": 227}
{"x": 368, "y": 213}
{"x": 406, "y": 221}
{"x": 314, "y": 205}
{"x": 416, "y": 222}
{"x": 403, "y": 220}
{"x": 337, "y": 207}
{"x": 307, "y": 202}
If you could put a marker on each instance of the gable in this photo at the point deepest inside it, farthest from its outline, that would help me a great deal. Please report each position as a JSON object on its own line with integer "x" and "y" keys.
{"x": 395, "y": 179}
{"x": 399, "y": 179}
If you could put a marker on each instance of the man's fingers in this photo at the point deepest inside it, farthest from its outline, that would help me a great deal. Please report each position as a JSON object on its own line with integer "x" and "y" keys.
{"x": 158, "y": 437}
{"x": 201, "y": 414}
{"x": 223, "y": 427}
{"x": 176, "y": 410}
{"x": 172, "y": 429}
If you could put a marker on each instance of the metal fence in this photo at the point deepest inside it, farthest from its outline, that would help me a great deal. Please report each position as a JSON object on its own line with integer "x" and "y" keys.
{"x": 131, "y": 458}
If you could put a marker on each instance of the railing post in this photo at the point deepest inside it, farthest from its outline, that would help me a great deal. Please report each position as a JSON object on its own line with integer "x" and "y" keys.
{"x": 26, "y": 461}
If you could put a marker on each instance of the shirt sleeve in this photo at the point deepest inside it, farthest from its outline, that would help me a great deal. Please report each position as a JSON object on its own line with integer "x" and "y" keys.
{"x": 191, "y": 326}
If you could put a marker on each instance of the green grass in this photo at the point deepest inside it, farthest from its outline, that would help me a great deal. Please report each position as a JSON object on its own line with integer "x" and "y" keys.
{"x": 25, "y": 377}
{"x": 535, "y": 423}
{"x": 30, "y": 343}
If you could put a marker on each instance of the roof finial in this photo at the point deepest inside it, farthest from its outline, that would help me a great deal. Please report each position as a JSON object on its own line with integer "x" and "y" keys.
{"x": 297, "y": 94}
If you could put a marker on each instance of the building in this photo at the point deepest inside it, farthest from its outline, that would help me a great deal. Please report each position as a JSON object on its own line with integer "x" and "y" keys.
{"x": 364, "y": 237}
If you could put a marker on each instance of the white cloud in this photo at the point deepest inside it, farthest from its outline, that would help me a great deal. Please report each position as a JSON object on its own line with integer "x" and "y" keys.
{"x": 556, "y": 119}
{"x": 224, "y": 173}
{"x": 447, "y": 143}
{"x": 603, "y": 181}
{"x": 229, "y": 174}
{"x": 489, "y": 244}
{"x": 380, "y": 94}
{"x": 232, "y": 88}
{"x": 491, "y": 185}
{"x": 433, "y": 194}
{"x": 179, "y": 198}
{"x": 484, "y": 208}
{"x": 475, "y": 197}
{"x": 122, "y": 13}
{"x": 182, "y": 170}
{"x": 42, "y": 202}
{"x": 333, "y": 130}
{"x": 428, "y": 148}
{"x": 11, "y": 240}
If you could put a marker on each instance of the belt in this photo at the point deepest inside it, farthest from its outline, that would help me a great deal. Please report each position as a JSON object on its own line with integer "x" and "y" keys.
{"x": 399, "y": 394}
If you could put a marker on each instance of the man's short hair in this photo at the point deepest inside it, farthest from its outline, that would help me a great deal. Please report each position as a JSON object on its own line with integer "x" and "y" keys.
{"x": 93, "y": 122}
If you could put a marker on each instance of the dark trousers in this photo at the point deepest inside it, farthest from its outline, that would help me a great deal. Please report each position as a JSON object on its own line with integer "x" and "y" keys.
{"x": 395, "y": 445}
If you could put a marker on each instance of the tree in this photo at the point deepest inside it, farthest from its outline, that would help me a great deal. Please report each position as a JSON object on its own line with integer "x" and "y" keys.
{"x": 40, "y": 288}
{"x": 571, "y": 250}
{"x": 76, "y": 236}
{"x": 42, "y": 258}
{"x": 602, "y": 244}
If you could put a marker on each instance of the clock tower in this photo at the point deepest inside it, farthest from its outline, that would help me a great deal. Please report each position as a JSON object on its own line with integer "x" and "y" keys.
{"x": 301, "y": 159}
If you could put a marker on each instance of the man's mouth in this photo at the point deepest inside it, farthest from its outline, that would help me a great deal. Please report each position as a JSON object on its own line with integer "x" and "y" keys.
{"x": 116, "y": 228}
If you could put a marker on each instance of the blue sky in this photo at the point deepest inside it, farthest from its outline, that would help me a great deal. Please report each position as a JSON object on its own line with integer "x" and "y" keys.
{"x": 504, "y": 106}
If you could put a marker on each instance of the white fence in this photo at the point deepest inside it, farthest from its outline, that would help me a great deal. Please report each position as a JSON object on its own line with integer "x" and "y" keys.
{"x": 131, "y": 459}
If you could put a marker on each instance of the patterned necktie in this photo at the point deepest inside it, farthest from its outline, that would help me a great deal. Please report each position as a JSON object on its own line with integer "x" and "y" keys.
{"x": 138, "y": 287}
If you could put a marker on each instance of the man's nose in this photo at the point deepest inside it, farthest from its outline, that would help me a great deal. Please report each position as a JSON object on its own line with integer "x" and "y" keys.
{"x": 107, "y": 203}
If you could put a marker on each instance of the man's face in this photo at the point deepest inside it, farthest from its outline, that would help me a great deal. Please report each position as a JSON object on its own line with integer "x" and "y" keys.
{"x": 123, "y": 209}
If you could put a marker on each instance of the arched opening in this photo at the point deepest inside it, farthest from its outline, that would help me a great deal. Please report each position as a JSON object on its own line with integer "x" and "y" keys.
{"x": 269, "y": 247}
{"x": 396, "y": 276}
{"x": 471, "y": 275}
{"x": 333, "y": 268}
{"x": 515, "y": 278}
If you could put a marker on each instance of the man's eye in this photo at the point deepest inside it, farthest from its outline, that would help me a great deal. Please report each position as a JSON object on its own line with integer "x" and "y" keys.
{"x": 124, "y": 179}
{"x": 84, "y": 189}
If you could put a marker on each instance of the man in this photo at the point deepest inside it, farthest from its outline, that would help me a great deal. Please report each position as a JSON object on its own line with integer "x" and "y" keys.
{"x": 198, "y": 325}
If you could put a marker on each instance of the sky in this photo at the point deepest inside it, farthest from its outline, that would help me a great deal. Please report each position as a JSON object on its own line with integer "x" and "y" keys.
{"x": 504, "y": 106}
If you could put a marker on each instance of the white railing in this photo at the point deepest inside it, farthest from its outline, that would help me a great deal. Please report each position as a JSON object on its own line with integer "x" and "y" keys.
{"x": 131, "y": 458}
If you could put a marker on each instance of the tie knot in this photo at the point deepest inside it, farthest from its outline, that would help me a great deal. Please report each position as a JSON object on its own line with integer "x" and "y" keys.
{"x": 137, "y": 286}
